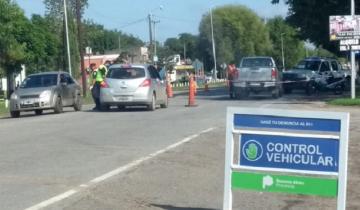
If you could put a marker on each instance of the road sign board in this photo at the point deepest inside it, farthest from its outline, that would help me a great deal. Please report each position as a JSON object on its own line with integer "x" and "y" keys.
{"x": 344, "y": 27}
{"x": 349, "y": 47}
{"x": 285, "y": 184}
{"x": 281, "y": 143}
{"x": 284, "y": 152}
{"x": 289, "y": 123}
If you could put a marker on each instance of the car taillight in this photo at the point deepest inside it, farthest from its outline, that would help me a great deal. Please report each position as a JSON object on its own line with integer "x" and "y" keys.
{"x": 273, "y": 73}
{"x": 103, "y": 84}
{"x": 146, "y": 83}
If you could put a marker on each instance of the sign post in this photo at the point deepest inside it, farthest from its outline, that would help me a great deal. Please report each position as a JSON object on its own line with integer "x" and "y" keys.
{"x": 347, "y": 28}
{"x": 293, "y": 152}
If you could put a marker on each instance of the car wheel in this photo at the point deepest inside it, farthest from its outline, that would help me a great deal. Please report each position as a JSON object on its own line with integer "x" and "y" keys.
{"x": 104, "y": 107}
{"x": 275, "y": 94}
{"x": 339, "y": 89}
{"x": 310, "y": 89}
{"x": 166, "y": 103}
{"x": 121, "y": 107}
{"x": 38, "y": 112}
{"x": 58, "y": 106}
{"x": 15, "y": 114}
{"x": 78, "y": 104}
{"x": 152, "y": 105}
{"x": 287, "y": 90}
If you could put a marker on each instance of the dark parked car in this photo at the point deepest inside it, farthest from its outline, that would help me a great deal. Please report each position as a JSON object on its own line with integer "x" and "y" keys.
{"x": 315, "y": 74}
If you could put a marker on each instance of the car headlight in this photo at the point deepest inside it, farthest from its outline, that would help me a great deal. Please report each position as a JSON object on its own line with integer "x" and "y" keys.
{"x": 45, "y": 94}
{"x": 14, "y": 96}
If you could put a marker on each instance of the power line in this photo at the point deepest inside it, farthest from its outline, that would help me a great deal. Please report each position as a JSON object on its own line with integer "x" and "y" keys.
{"x": 176, "y": 19}
{"x": 133, "y": 22}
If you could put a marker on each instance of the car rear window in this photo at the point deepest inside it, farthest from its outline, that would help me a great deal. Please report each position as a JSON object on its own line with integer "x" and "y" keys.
{"x": 126, "y": 73}
{"x": 257, "y": 62}
{"x": 309, "y": 65}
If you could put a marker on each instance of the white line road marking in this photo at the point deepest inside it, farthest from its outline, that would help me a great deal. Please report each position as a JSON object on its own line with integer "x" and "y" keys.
{"x": 115, "y": 172}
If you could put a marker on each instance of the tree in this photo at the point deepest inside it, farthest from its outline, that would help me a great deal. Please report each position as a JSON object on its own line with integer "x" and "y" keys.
{"x": 238, "y": 32}
{"x": 55, "y": 11}
{"x": 294, "y": 48}
{"x": 13, "y": 47}
{"x": 102, "y": 40}
{"x": 185, "y": 42}
{"x": 312, "y": 19}
{"x": 42, "y": 44}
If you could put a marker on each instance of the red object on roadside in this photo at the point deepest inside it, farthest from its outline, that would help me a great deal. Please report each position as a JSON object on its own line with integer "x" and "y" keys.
{"x": 169, "y": 90}
{"x": 192, "y": 89}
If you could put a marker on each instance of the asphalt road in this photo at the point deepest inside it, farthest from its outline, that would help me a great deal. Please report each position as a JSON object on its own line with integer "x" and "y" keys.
{"x": 134, "y": 159}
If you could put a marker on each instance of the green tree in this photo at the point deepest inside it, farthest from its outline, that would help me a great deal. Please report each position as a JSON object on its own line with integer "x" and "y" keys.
{"x": 42, "y": 44}
{"x": 102, "y": 40}
{"x": 312, "y": 19}
{"x": 13, "y": 29}
{"x": 294, "y": 48}
{"x": 55, "y": 12}
{"x": 238, "y": 32}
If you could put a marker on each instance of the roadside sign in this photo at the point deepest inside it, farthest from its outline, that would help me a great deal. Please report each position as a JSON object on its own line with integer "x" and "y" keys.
{"x": 285, "y": 184}
{"x": 296, "y": 152}
{"x": 344, "y": 27}
{"x": 285, "y": 152}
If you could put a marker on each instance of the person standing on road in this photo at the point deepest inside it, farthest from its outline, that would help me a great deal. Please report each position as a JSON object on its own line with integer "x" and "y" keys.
{"x": 98, "y": 76}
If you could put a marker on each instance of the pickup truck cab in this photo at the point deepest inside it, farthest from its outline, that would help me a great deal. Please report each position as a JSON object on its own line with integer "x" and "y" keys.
{"x": 257, "y": 75}
{"x": 315, "y": 74}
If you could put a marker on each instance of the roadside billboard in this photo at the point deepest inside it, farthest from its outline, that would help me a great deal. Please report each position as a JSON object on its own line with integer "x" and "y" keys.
{"x": 286, "y": 151}
{"x": 344, "y": 27}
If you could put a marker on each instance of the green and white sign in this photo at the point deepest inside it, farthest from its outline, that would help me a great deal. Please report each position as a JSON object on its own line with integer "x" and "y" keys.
{"x": 285, "y": 184}
{"x": 286, "y": 151}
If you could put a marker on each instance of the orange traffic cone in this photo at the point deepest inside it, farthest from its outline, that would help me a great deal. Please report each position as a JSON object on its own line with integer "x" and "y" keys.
{"x": 169, "y": 90}
{"x": 191, "y": 93}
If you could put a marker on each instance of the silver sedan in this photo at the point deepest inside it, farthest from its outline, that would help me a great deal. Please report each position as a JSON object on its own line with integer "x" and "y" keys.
{"x": 133, "y": 85}
{"x": 48, "y": 90}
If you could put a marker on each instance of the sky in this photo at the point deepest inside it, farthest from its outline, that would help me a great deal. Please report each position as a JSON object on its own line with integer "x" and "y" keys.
{"x": 176, "y": 16}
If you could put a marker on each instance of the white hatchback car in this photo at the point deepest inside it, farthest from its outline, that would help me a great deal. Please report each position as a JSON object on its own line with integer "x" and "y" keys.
{"x": 133, "y": 85}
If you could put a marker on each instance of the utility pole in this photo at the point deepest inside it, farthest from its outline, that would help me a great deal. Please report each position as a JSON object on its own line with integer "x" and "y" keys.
{"x": 184, "y": 51}
{"x": 80, "y": 43}
{"x": 119, "y": 43}
{"x": 67, "y": 37}
{"x": 353, "y": 68}
{"x": 150, "y": 32}
{"x": 282, "y": 51}
{"x": 213, "y": 43}
{"x": 155, "y": 47}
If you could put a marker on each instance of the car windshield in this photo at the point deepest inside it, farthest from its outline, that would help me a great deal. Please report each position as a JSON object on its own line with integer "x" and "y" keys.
{"x": 309, "y": 65}
{"x": 256, "y": 62}
{"x": 36, "y": 81}
{"x": 126, "y": 73}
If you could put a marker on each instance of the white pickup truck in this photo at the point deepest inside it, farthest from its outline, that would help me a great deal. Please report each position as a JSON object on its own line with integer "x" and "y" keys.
{"x": 257, "y": 75}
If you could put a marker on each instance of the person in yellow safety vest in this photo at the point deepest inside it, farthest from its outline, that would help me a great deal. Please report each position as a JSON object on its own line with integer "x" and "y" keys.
{"x": 98, "y": 77}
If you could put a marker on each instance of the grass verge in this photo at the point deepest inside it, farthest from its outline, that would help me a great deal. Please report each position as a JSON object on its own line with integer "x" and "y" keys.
{"x": 3, "y": 110}
{"x": 345, "y": 102}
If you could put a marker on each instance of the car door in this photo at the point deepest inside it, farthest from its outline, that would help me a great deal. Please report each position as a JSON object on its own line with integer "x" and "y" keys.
{"x": 325, "y": 72}
{"x": 156, "y": 83}
{"x": 71, "y": 88}
{"x": 65, "y": 90}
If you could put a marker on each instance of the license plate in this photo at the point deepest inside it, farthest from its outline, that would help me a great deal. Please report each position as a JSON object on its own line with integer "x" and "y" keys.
{"x": 255, "y": 84}
{"x": 123, "y": 98}
{"x": 27, "y": 102}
